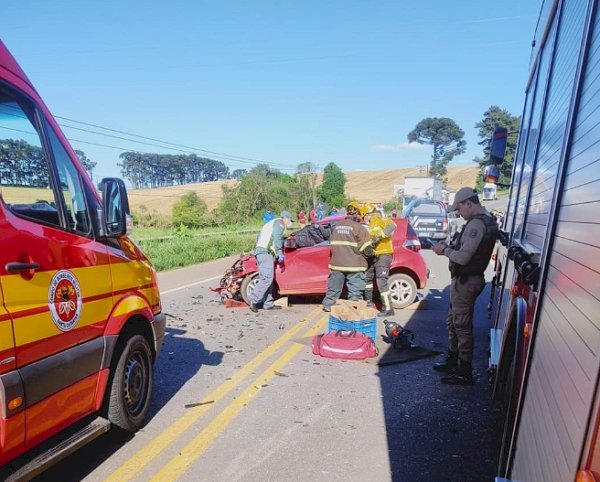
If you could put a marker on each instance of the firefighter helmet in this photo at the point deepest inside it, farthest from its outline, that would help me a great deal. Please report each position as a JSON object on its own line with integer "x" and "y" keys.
{"x": 368, "y": 209}
{"x": 353, "y": 208}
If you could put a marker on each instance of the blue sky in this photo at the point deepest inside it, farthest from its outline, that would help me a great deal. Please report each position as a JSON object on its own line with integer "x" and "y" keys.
{"x": 283, "y": 81}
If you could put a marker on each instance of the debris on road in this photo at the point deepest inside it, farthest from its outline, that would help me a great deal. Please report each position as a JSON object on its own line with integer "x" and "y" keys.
{"x": 174, "y": 317}
{"x": 191, "y": 405}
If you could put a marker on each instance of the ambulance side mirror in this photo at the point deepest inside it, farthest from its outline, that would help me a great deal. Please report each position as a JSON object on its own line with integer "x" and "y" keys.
{"x": 115, "y": 205}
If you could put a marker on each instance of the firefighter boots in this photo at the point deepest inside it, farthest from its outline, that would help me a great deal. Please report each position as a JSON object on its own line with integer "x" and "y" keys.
{"x": 463, "y": 375}
{"x": 449, "y": 365}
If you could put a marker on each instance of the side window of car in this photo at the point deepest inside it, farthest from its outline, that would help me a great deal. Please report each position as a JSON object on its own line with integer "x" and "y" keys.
{"x": 70, "y": 183}
{"x": 24, "y": 169}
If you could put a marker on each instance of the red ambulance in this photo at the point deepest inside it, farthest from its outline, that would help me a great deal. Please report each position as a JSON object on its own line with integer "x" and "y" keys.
{"x": 80, "y": 315}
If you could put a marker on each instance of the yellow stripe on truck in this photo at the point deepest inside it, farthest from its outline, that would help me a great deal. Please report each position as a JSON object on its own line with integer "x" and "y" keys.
{"x": 131, "y": 273}
{"x": 19, "y": 292}
{"x": 6, "y": 335}
{"x": 36, "y": 327}
{"x": 129, "y": 305}
{"x": 24, "y": 295}
{"x": 152, "y": 295}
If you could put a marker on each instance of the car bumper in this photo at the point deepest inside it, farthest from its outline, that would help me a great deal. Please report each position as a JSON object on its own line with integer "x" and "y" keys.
{"x": 433, "y": 235}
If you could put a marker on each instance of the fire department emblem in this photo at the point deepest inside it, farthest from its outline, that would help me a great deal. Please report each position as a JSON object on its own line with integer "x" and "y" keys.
{"x": 65, "y": 300}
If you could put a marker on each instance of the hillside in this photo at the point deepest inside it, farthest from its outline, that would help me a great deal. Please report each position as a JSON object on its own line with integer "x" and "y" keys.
{"x": 360, "y": 185}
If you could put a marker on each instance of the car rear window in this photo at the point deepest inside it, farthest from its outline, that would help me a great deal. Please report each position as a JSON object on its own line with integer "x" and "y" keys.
{"x": 428, "y": 209}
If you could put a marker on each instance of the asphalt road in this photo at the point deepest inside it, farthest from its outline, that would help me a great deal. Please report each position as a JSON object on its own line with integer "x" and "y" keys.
{"x": 239, "y": 396}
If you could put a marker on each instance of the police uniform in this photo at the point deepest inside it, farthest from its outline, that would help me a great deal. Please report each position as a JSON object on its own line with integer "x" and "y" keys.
{"x": 469, "y": 255}
{"x": 349, "y": 241}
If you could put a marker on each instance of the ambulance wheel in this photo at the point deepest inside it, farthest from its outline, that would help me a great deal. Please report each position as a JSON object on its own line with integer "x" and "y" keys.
{"x": 248, "y": 284}
{"x": 131, "y": 385}
{"x": 403, "y": 290}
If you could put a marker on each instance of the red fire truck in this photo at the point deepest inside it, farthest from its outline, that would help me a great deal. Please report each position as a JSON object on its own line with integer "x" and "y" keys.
{"x": 545, "y": 337}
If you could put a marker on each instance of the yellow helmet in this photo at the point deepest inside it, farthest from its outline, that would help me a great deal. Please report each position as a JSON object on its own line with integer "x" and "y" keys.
{"x": 368, "y": 209}
{"x": 354, "y": 207}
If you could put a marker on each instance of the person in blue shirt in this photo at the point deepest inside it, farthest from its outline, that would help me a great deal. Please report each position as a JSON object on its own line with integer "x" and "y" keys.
{"x": 269, "y": 247}
{"x": 268, "y": 216}
{"x": 320, "y": 214}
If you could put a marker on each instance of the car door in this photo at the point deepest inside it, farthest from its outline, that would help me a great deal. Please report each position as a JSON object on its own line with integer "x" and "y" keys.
{"x": 305, "y": 270}
{"x": 55, "y": 276}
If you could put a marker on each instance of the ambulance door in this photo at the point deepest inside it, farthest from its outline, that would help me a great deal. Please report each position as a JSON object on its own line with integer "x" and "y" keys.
{"x": 55, "y": 276}
{"x": 11, "y": 391}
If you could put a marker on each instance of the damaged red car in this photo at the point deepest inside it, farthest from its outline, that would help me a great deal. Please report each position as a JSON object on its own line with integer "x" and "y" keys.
{"x": 306, "y": 269}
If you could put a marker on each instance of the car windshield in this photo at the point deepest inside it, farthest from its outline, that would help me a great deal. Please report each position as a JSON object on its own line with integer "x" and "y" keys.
{"x": 427, "y": 208}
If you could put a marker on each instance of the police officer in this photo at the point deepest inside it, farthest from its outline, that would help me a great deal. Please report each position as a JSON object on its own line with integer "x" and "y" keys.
{"x": 381, "y": 231}
{"x": 469, "y": 255}
{"x": 350, "y": 245}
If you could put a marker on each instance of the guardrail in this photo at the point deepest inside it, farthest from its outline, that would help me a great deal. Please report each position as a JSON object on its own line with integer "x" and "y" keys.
{"x": 196, "y": 235}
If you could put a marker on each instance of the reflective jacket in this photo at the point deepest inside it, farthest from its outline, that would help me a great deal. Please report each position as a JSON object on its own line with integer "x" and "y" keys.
{"x": 270, "y": 238}
{"x": 349, "y": 240}
{"x": 383, "y": 229}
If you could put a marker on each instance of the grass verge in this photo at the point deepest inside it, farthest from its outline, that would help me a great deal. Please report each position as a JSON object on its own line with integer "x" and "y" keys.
{"x": 184, "y": 251}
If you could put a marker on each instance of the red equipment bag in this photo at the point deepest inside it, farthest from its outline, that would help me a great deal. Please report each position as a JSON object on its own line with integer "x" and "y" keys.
{"x": 347, "y": 345}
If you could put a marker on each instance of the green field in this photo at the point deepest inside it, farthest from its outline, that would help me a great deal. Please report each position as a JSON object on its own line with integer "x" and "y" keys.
{"x": 186, "y": 250}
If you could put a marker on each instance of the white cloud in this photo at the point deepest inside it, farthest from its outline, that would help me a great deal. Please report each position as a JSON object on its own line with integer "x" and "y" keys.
{"x": 413, "y": 146}
{"x": 397, "y": 147}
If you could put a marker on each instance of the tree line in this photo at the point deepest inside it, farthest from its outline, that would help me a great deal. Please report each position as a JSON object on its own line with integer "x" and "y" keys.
{"x": 23, "y": 164}
{"x": 144, "y": 170}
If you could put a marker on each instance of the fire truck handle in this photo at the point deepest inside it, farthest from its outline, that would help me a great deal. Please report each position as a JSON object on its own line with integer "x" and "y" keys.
{"x": 16, "y": 267}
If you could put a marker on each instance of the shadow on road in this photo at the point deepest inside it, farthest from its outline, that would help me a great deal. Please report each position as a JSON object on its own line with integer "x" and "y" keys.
{"x": 438, "y": 432}
{"x": 181, "y": 358}
{"x": 189, "y": 355}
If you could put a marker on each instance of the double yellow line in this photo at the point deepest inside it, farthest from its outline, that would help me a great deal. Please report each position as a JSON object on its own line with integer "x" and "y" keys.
{"x": 174, "y": 468}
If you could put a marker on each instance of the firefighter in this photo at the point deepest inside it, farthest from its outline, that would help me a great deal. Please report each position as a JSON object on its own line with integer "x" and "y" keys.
{"x": 469, "y": 256}
{"x": 268, "y": 246}
{"x": 381, "y": 231}
{"x": 350, "y": 245}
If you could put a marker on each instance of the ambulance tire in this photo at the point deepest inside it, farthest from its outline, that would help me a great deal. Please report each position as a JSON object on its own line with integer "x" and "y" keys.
{"x": 247, "y": 286}
{"x": 403, "y": 290}
{"x": 131, "y": 385}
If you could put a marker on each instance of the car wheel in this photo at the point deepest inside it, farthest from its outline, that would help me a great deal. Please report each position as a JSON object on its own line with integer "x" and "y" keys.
{"x": 403, "y": 290}
{"x": 131, "y": 385}
{"x": 248, "y": 284}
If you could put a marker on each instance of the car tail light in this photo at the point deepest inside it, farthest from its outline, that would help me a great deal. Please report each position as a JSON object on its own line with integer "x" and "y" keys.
{"x": 412, "y": 240}
{"x": 445, "y": 225}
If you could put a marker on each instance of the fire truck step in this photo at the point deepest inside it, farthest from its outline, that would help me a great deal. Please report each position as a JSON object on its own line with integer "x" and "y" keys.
{"x": 61, "y": 450}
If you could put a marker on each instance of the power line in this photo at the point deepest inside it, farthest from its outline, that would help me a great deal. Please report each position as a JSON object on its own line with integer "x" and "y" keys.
{"x": 230, "y": 158}
{"x": 231, "y": 163}
{"x": 198, "y": 149}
